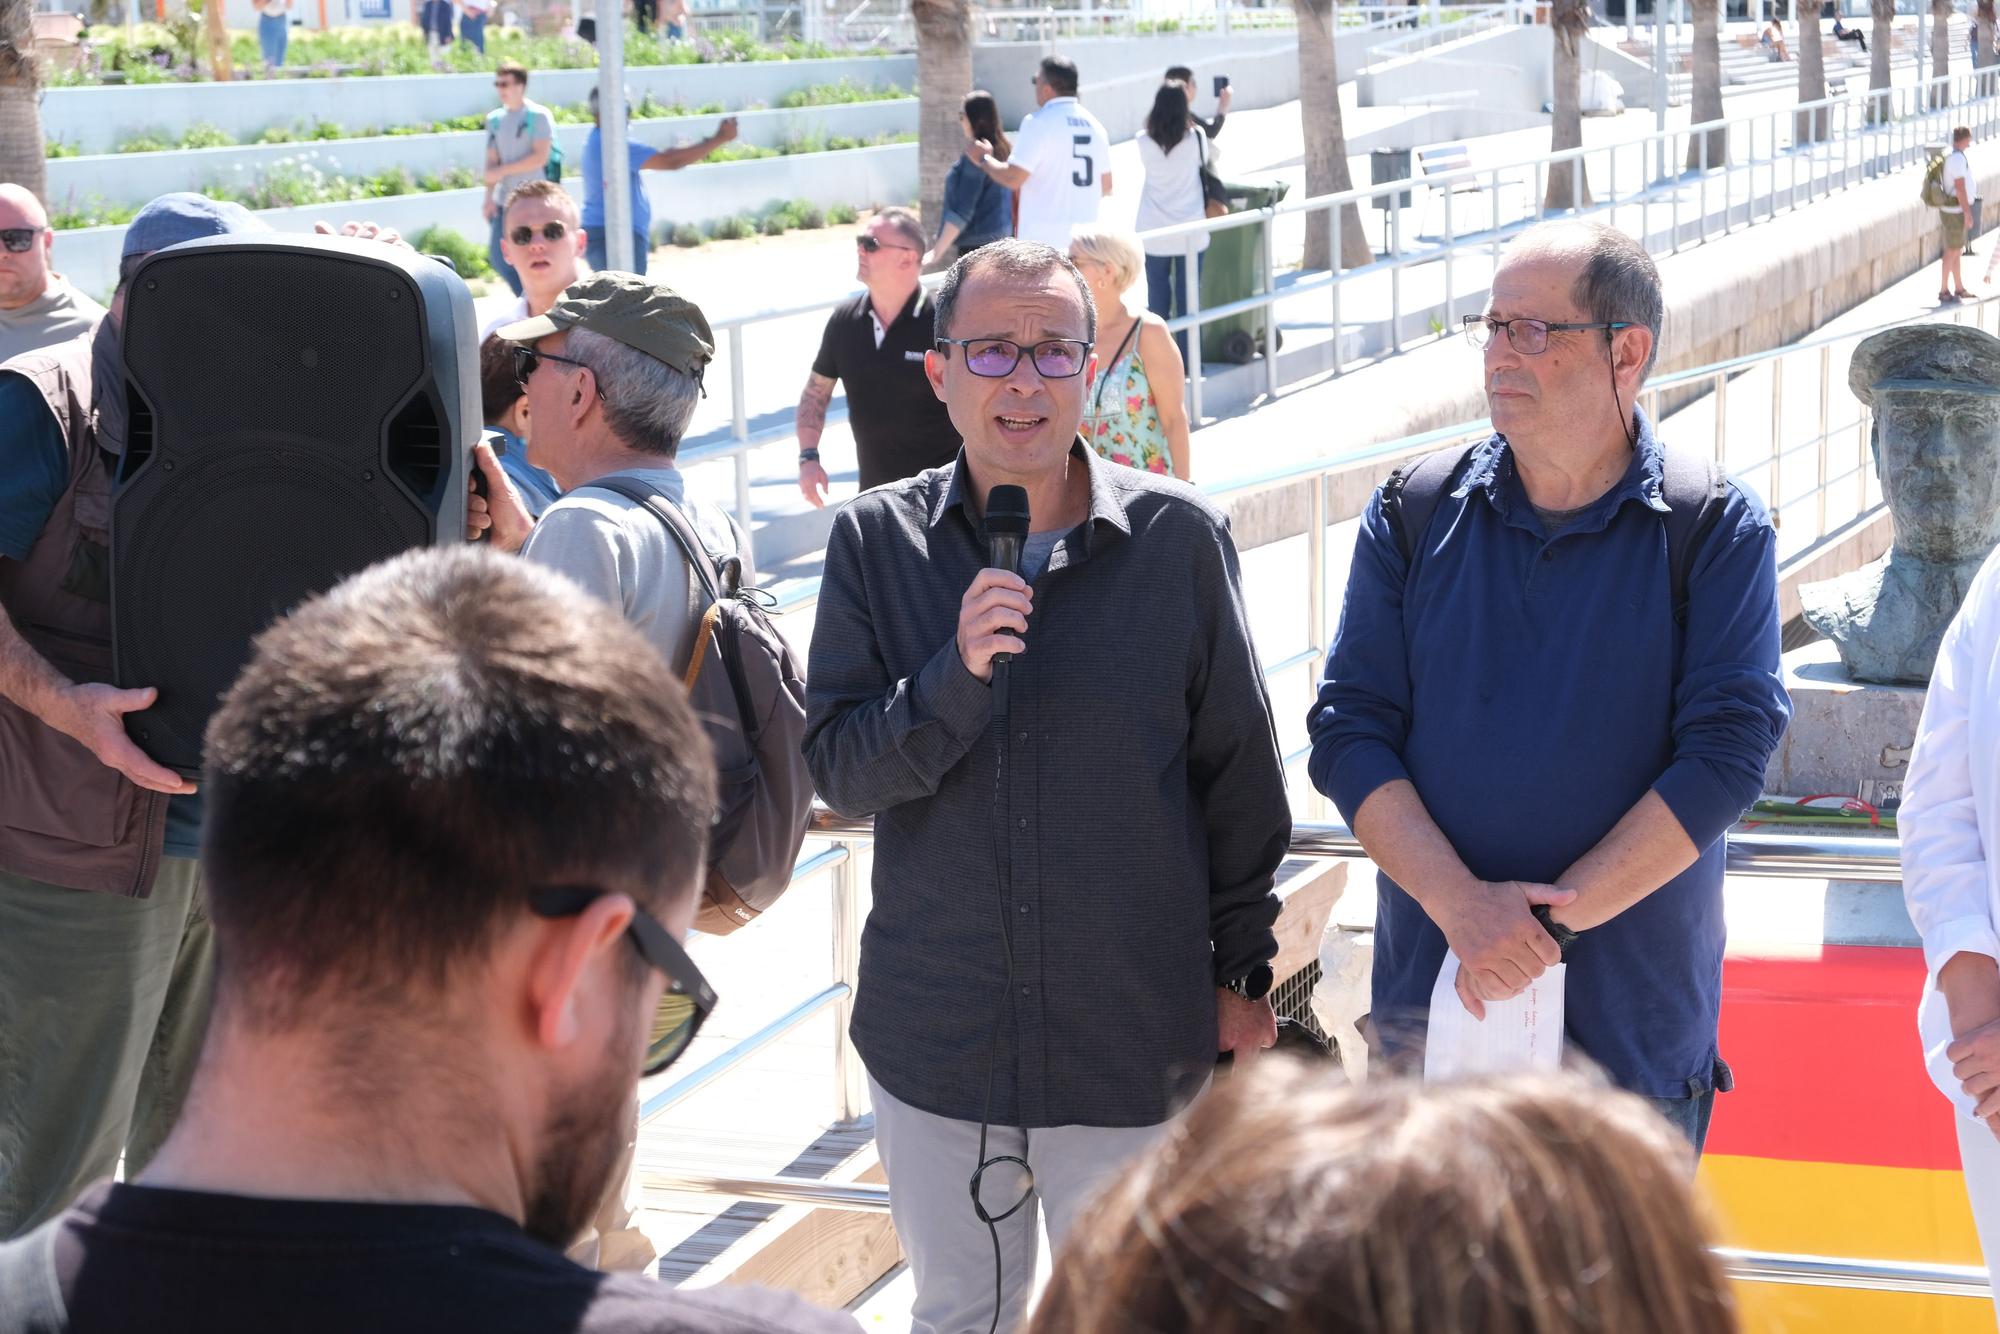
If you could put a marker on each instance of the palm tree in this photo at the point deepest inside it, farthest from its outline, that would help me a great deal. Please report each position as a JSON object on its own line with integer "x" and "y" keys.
{"x": 22, "y": 159}
{"x": 1326, "y": 141}
{"x": 221, "y": 67}
{"x": 1705, "y": 59}
{"x": 944, "y": 77}
{"x": 1941, "y": 12}
{"x": 1811, "y": 126}
{"x": 1883, "y": 13}
{"x": 1568, "y": 22}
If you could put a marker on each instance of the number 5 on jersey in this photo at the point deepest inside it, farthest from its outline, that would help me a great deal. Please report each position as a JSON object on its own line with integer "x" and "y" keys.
{"x": 1081, "y": 152}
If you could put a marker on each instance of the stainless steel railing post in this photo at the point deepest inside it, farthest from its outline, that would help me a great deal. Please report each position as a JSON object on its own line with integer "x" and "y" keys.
{"x": 850, "y": 1079}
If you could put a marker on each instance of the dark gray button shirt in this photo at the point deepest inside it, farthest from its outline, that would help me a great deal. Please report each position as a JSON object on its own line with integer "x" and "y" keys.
{"x": 1125, "y": 831}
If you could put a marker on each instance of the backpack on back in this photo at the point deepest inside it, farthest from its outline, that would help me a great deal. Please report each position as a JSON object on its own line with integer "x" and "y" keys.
{"x": 748, "y": 691}
{"x": 1693, "y": 485}
{"x": 1934, "y": 192}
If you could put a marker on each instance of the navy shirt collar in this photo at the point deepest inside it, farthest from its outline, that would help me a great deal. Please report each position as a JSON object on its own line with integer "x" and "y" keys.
{"x": 1491, "y": 469}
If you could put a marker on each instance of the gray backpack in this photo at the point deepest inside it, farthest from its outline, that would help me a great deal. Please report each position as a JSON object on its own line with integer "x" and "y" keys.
{"x": 747, "y": 689}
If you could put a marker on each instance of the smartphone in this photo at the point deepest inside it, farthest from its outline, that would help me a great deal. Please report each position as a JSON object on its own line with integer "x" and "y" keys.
{"x": 1221, "y": 82}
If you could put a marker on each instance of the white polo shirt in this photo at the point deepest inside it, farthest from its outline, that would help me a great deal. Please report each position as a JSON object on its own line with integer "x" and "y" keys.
{"x": 1065, "y": 152}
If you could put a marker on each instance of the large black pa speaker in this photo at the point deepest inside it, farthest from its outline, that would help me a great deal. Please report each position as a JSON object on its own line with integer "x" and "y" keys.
{"x": 300, "y": 407}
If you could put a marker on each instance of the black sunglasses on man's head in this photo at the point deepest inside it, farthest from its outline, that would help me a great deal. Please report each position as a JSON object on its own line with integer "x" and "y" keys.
{"x": 688, "y": 1000}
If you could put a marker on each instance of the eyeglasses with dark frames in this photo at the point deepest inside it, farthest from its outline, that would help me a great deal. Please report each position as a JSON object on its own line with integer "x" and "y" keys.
{"x": 526, "y": 359}
{"x": 871, "y": 245}
{"x": 552, "y": 230}
{"x": 1528, "y": 337}
{"x": 995, "y": 358}
{"x": 688, "y": 1000}
{"x": 20, "y": 240}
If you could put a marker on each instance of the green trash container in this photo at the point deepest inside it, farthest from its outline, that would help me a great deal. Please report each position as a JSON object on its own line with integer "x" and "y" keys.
{"x": 1232, "y": 268}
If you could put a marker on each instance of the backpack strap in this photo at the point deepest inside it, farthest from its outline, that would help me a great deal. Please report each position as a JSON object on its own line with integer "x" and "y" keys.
{"x": 1412, "y": 493}
{"x": 1694, "y": 487}
{"x": 650, "y": 497}
{"x": 30, "y": 1294}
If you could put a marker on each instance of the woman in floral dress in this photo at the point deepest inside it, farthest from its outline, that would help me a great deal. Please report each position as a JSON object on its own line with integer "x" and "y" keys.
{"x": 1134, "y": 412}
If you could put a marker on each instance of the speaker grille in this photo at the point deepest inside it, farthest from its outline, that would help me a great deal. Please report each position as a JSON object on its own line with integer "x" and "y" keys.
{"x": 296, "y": 435}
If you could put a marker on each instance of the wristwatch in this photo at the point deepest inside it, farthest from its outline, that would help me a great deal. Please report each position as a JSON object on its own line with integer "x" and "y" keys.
{"x": 1253, "y": 985}
{"x": 1562, "y": 935}
{"x": 809, "y": 456}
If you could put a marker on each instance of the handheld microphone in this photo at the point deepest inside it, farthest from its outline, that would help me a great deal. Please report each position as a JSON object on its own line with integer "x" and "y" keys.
{"x": 1006, "y": 530}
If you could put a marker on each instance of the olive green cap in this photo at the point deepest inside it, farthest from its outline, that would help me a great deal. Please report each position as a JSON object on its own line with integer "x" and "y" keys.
{"x": 634, "y": 310}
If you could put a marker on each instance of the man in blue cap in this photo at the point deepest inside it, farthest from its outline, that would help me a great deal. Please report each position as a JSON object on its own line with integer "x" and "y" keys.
{"x": 104, "y": 945}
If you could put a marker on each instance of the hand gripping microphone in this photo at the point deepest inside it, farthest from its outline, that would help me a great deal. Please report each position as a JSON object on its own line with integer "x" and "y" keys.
{"x": 1006, "y": 530}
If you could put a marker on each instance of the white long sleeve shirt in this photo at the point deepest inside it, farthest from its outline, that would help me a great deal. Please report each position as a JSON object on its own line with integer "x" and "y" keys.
{"x": 1950, "y": 817}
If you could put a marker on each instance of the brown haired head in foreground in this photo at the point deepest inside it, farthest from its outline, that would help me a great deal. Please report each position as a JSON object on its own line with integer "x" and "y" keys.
{"x": 1290, "y": 1202}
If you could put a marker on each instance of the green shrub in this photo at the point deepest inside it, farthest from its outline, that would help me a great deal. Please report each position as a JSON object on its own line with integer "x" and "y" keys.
{"x": 839, "y": 215}
{"x": 842, "y": 93}
{"x": 805, "y": 215}
{"x": 278, "y": 134}
{"x": 775, "y": 225}
{"x": 731, "y": 229}
{"x": 55, "y": 148}
{"x": 92, "y": 212}
{"x": 154, "y": 141}
{"x": 467, "y": 255}
{"x": 687, "y": 236}
{"x": 203, "y": 135}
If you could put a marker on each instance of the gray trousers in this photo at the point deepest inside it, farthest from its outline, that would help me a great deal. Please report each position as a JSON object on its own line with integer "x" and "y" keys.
{"x": 103, "y": 1006}
{"x": 929, "y": 1161}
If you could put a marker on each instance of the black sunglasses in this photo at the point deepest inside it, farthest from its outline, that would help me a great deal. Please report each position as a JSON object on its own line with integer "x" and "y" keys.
{"x": 526, "y": 359}
{"x": 688, "y": 1000}
{"x": 871, "y": 245}
{"x": 551, "y": 231}
{"x": 20, "y": 239}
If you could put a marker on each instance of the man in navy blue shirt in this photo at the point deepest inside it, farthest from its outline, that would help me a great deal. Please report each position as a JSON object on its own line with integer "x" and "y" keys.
{"x": 1513, "y": 717}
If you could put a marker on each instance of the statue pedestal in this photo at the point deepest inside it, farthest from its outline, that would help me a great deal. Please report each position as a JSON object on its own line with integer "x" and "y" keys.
{"x": 1846, "y": 737}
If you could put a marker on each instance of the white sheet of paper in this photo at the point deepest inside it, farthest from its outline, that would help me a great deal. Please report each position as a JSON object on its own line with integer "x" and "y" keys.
{"x": 1525, "y": 1033}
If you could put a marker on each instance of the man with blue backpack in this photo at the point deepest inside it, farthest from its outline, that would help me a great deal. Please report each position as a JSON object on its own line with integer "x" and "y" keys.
{"x": 1556, "y": 685}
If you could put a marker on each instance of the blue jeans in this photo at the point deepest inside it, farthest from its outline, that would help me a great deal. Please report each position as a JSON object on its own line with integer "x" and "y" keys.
{"x": 598, "y": 252}
{"x": 273, "y": 32}
{"x": 1167, "y": 289}
{"x": 472, "y": 28}
{"x": 1690, "y": 1114}
{"x": 496, "y": 259}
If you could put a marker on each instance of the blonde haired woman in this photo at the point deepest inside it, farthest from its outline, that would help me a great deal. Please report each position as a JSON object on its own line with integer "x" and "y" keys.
{"x": 1133, "y": 413}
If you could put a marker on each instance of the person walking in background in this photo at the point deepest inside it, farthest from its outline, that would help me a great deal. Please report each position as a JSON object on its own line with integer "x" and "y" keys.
{"x": 519, "y": 136}
{"x": 1952, "y": 217}
{"x": 977, "y": 209}
{"x": 435, "y": 21}
{"x": 472, "y": 23}
{"x": 1950, "y": 823}
{"x": 1224, "y": 95}
{"x": 1291, "y": 1203}
{"x": 1173, "y": 153}
{"x": 676, "y": 19}
{"x": 640, "y": 157}
{"x": 1060, "y": 168}
{"x": 875, "y": 345}
{"x": 273, "y": 29}
{"x": 1128, "y": 419}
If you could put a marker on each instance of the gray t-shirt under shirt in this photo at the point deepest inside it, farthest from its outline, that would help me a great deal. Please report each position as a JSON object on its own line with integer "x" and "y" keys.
{"x": 1035, "y": 553}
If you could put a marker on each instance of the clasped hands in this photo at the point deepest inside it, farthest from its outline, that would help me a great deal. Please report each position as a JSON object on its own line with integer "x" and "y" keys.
{"x": 1500, "y": 945}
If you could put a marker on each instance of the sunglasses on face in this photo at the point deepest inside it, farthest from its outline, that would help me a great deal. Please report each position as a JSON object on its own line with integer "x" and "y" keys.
{"x": 995, "y": 358}
{"x": 870, "y": 245}
{"x": 526, "y": 359}
{"x": 20, "y": 239}
{"x": 688, "y": 1000}
{"x": 551, "y": 231}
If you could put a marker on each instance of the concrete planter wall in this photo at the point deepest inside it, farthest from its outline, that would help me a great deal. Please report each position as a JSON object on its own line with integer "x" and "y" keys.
{"x": 94, "y": 119}
{"x": 134, "y": 178}
{"x": 862, "y": 177}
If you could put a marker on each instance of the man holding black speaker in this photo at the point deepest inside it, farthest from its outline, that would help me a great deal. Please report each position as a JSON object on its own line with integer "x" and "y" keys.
{"x": 1079, "y": 807}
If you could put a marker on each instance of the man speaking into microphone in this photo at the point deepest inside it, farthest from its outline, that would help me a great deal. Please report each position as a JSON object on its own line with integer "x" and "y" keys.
{"x": 1074, "y": 848}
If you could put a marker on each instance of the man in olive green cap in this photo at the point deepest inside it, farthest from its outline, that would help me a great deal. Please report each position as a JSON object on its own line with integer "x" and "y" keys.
{"x": 612, "y": 373}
